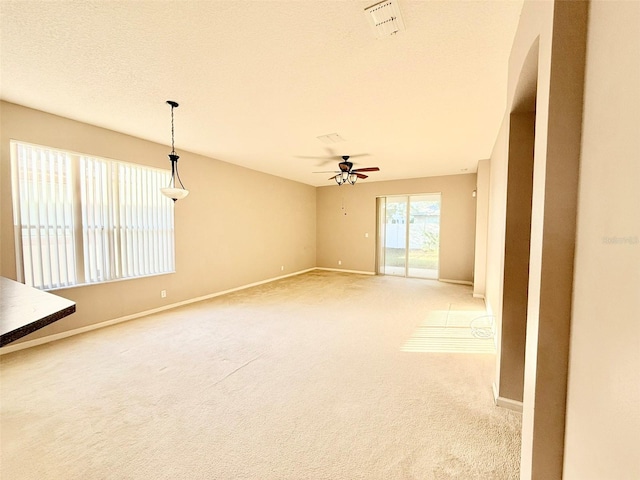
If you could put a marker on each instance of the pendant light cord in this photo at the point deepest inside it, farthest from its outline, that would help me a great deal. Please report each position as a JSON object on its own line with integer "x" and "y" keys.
{"x": 173, "y": 156}
{"x": 173, "y": 150}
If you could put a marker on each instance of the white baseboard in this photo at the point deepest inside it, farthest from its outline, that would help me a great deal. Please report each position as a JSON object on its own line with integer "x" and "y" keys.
{"x": 478, "y": 295}
{"x": 344, "y": 271}
{"x": 58, "y": 336}
{"x": 459, "y": 282}
{"x": 507, "y": 403}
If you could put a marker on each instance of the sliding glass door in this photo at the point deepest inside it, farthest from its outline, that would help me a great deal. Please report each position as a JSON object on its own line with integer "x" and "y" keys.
{"x": 395, "y": 234}
{"x": 409, "y": 235}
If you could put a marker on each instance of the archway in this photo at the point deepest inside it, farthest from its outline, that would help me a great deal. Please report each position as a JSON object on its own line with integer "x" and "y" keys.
{"x": 513, "y": 322}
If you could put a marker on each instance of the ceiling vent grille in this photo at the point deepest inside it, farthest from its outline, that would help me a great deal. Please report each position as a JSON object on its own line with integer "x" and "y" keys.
{"x": 330, "y": 138}
{"x": 385, "y": 18}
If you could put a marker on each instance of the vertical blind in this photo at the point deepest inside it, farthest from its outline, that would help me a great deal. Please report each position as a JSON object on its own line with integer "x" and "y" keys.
{"x": 43, "y": 216}
{"x": 143, "y": 222}
{"x": 81, "y": 219}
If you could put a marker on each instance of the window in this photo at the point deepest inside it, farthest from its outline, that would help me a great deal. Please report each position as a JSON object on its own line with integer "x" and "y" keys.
{"x": 81, "y": 220}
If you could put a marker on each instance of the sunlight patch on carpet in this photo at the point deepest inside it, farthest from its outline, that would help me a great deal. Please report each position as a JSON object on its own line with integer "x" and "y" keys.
{"x": 453, "y": 331}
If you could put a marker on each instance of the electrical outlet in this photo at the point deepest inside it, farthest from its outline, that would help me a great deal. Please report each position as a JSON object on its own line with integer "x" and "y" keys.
{"x": 282, "y": 268}
{"x": 366, "y": 235}
{"x": 163, "y": 294}
{"x": 339, "y": 262}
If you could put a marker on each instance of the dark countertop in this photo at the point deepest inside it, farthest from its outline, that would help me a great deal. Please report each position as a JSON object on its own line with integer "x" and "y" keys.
{"x": 24, "y": 310}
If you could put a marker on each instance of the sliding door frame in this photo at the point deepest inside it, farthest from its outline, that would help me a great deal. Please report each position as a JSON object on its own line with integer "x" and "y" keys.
{"x": 381, "y": 214}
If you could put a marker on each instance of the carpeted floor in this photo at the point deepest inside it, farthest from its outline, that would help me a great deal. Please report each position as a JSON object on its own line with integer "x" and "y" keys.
{"x": 324, "y": 375}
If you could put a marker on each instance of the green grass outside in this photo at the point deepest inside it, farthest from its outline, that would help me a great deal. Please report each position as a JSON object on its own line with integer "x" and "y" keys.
{"x": 395, "y": 257}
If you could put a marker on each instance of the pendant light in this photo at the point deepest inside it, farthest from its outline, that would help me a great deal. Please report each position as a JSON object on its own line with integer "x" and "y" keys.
{"x": 172, "y": 191}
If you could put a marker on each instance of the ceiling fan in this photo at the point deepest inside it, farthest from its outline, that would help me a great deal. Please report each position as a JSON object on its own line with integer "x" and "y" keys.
{"x": 330, "y": 157}
{"x": 348, "y": 174}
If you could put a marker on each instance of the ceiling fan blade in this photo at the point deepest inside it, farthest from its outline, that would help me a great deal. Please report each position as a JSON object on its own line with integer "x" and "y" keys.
{"x": 360, "y": 175}
{"x": 325, "y": 162}
{"x": 333, "y": 178}
{"x": 367, "y": 169}
{"x": 327, "y": 171}
{"x": 321, "y": 161}
{"x": 360, "y": 155}
{"x": 331, "y": 152}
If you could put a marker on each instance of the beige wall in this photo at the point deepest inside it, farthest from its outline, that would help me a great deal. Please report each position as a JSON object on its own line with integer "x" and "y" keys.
{"x": 496, "y": 220}
{"x": 237, "y": 226}
{"x": 482, "y": 219}
{"x": 546, "y": 64}
{"x": 346, "y": 213}
{"x": 496, "y": 224}
{"x": 591, "y": 306}
{"x": 603, "y": 408}
{"x": 516, "y": 256}
{"x": 553, "y": 236}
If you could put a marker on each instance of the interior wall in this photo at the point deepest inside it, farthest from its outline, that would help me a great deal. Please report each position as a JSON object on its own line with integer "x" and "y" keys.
{"x": 556, "y": 32}
{"x": 553, "y": 240}
{"x": 347, "y": 214}
{"x": 603, "y": 405}
{"x": 496, "y": 226}
{"x": 496, "y": 221}
{"x": 482, "y": 219}
{"x": 238, "y": 226}
{"x": 516, "y": 255}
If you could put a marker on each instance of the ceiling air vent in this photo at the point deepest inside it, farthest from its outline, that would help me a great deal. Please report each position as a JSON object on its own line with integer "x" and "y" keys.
{"x": 330, "y": 138}
{"x": 385, "y": 18}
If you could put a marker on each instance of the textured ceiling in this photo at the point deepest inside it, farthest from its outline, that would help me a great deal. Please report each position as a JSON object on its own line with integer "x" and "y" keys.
{"x": 258, "y": 81}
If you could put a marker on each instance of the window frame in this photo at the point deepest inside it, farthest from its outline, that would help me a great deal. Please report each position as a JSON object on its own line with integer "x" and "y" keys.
{"x": 151, "y": 208}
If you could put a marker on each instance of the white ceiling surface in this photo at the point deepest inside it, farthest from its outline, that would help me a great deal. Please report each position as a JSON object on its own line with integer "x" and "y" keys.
{"x": 258, "y": 81}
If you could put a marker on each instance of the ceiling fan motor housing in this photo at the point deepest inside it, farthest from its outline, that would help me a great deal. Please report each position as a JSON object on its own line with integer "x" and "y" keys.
{"x": 345, "y": 166}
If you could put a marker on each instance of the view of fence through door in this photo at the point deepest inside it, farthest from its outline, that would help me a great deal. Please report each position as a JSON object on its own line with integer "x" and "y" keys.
{"x": 409, "y": 235}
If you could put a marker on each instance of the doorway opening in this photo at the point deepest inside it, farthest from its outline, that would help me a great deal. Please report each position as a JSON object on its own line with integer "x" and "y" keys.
{"x": 409, "y": 235}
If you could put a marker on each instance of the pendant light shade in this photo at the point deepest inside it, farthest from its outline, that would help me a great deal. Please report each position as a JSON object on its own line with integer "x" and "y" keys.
{"x": 173, "y": 191}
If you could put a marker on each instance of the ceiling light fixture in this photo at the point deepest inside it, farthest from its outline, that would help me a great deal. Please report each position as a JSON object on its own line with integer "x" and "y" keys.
{"x": 347, "y": 174}
{"x": 172, "y": 191}
{"x": 346, "y": 177}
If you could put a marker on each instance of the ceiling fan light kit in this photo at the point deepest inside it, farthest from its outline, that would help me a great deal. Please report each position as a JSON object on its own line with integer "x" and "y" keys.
{"x": 347, "y": 174}
{"x": 172, "y": 191}
{"x": 346, "y": 177}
